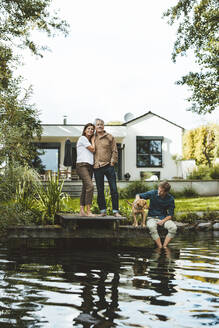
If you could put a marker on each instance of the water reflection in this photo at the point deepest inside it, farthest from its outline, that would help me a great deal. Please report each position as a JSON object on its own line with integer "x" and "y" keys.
{"x": 98, "y": 275}
{"x": 126, "y": 288}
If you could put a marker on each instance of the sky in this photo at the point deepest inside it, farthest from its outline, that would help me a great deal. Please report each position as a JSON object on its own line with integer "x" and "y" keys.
{"x": 115, "y": 60}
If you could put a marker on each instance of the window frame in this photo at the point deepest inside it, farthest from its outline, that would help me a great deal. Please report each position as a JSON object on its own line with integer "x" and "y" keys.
{"x": 149, "y": 138}
{"x": 49, "y": 145}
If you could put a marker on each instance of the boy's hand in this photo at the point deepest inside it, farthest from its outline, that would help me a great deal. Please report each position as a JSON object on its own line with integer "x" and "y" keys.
{"x": 137, "y": 197}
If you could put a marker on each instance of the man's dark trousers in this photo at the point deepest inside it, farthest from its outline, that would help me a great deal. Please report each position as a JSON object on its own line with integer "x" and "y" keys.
{"x": 110, "y": 174}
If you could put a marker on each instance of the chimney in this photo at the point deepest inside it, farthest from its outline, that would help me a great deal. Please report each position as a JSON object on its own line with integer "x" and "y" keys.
{"x": 65, "y": 119}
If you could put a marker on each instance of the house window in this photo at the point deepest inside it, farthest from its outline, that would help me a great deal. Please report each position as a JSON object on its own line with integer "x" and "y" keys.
{"x": 48, "y": 156}
{"x": 149, "y": 151}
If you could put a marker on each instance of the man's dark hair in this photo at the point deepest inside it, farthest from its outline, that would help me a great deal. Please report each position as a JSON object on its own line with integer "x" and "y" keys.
{"x": 165, "y": 185}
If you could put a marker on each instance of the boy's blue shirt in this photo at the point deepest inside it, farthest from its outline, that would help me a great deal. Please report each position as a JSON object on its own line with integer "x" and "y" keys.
{"x": 159, "y": 207}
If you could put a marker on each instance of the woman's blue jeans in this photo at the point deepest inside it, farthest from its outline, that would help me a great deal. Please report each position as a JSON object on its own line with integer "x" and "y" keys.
{"x": 110, "y": 174}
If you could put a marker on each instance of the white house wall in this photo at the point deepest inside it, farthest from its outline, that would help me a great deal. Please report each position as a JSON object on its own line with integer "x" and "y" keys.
{"x": 147, "y": 125}
{"x": 153, "y": 126}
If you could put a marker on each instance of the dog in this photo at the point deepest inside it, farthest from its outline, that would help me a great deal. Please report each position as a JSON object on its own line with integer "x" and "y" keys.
{"x": 138, "y": 207}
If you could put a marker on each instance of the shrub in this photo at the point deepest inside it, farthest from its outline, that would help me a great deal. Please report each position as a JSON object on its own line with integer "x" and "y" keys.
{"x": 200, "y": 173}
{"x": 176, "y": 194}
{"x": 18, "y": 182}
{"x": 214, "y": 172}
{"x": 189, "y": 193}
{"x": 210, "y": 215}
{"x": 185, "y": 193}
{"x": 189, "y": 217}
{"x": 133, "y": 188}
{"x": 14, "y": 214}
{"x": 50, "y": 196}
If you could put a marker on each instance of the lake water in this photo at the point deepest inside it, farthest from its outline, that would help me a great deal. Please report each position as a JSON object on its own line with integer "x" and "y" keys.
{"x": 50, "y": 287}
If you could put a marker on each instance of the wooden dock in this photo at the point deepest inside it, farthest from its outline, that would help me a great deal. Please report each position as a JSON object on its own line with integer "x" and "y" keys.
{"x": 107, "y": 231}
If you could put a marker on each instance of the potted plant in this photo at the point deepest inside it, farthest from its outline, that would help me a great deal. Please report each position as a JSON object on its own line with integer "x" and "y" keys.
{"x": 127, "y": 176}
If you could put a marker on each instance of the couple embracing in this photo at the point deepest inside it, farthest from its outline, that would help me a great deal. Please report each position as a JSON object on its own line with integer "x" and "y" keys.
{"x": 97, "y": 153}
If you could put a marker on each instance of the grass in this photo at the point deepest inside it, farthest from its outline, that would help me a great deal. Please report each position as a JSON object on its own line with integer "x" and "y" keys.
{"x": 182, "y": 204}
{"x": 197, "y": 204}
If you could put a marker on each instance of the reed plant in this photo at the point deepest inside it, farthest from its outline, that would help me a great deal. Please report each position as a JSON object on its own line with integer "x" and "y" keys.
{"x": 50, "y": 198}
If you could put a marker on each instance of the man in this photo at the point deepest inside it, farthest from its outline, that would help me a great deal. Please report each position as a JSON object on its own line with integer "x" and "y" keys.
{"x": 105, "y": 157}
{"x": 160, "y": 212}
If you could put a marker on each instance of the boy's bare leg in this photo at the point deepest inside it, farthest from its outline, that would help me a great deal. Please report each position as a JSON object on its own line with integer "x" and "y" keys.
{"x": 166, "y": 241}
{"x": 158, "y": 242}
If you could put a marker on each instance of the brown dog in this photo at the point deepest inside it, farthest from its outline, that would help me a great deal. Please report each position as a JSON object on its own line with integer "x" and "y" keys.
{"x": 138, "y": 207}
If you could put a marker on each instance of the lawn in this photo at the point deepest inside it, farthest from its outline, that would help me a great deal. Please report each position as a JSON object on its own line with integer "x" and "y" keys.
{"x": 182, "y": 204}
{"x": 197, "y": 204}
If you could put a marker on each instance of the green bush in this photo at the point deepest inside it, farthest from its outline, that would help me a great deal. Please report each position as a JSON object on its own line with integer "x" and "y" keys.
{"x": 210, "y": 215}
{"x": 49, "y": 198}
{"x": 185, "y": 193}
{"x": 14, "y": 214}
{"x": 18, "y": 183}
{"x": 189, "y": 217}
{"x": 214, "y": 172}
{"x": 133, "y": 188}
{"x": 200, "y": 173}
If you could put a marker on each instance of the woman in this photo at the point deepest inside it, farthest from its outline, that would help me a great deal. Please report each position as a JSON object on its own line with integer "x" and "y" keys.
{"x": 84, "y": 167}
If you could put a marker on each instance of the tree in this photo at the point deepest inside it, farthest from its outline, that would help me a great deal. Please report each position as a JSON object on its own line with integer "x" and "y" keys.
{"x": 19, "y": 19}
{"x": 205, "y": 145}
{"x": 19, "y": 124}
{"x": 189, "y": 145}
{"x": 201, "y": 144}
{"x": 198, "y": 23}
{"x": 19, "y": 120}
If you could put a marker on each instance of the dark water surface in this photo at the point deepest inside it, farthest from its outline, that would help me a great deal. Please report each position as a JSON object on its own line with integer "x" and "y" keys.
{"x": 122, "y": 288}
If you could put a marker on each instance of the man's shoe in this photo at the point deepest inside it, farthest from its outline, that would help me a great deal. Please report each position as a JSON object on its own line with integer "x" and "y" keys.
{"x": 102, "y": 214}
{"x": 117, "y": 215}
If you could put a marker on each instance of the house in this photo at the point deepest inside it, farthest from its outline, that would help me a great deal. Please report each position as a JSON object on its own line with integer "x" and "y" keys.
{"x": 145, "y": 144}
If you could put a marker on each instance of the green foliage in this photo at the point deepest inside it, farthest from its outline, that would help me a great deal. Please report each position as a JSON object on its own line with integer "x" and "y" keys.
{"x": 126, "y": 210}
{"x": 214, "y": 172}
{"x": 201, "y": 144}
{"x": 189, "y": 193}
{"x": 19, "y": 120}
{"x": 95, "y": 207}
{"x": 189, "y": 145}
{"x": 19, "y": 125}
{"x": 210, "y": 215}
{"x": 133, "y": 188}
{"x": 189, "y": 217}
{"x": 19, "y": 20}
{"x": 198, "y": 24}
{"x": 49, "y": 198}
{"x": 17, "y": 182}
{"x": 185, "y": 193}
{"x": 12, "y": 214}
{"x": 200, "y": 173}
{"x": 197, "y": 204}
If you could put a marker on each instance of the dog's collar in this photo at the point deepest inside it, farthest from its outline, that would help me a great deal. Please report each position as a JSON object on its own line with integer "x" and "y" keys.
{"x": 135, "y": 206}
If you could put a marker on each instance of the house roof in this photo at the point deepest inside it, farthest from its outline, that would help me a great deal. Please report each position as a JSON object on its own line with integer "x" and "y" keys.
{"x": 150, "y": 113}
{"x": 68, "y": 130}
{"x": 75, "y": 130}
{"x": 50, "y": 130}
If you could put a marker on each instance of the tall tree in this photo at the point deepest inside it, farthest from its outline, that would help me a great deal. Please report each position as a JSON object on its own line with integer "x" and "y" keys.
{"x": 19, "y": 120}
{"x": 19, "y": 19}
{"x": 18, "y": 126}
{"x": 201, "y": 144}
{"x": 197, "y": 31}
